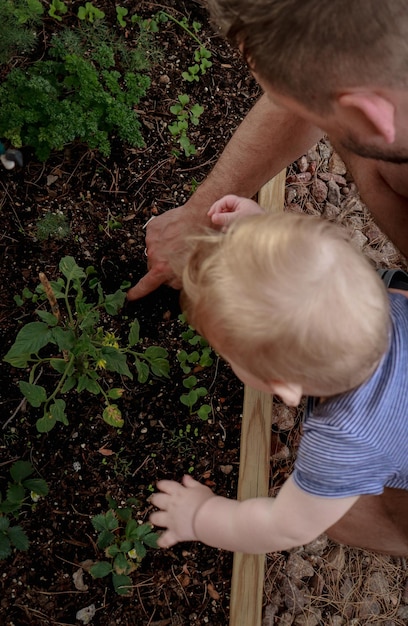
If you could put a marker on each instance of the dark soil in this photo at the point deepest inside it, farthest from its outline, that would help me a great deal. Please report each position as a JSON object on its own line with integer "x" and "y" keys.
{"x": 84, "y": 461}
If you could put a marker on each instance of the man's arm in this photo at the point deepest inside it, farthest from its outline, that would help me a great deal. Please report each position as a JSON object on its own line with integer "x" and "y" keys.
{"x": 259, "y": 525}
{"x": 267, "y": 140}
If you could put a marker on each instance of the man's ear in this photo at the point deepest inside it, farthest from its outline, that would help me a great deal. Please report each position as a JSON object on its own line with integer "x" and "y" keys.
{"x": 377, "y": 109}
{"x": 291, "y": 393}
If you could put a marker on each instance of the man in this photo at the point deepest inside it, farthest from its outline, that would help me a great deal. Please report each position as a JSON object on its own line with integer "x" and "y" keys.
{"x": 338, "y": 68}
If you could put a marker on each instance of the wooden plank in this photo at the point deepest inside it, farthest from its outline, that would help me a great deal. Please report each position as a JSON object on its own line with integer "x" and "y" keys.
{"x": 248, "y": 570}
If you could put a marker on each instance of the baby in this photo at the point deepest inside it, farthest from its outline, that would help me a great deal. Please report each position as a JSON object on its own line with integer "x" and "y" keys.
{"x": 297, "y": 311}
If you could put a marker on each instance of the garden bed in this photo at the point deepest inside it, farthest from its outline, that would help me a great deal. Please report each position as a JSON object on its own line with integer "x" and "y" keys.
{"x": 107, "y": 201}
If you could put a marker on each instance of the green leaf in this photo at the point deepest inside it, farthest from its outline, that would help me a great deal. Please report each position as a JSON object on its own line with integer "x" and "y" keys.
{"x": 69, "y": 384}
{"x": 35, "y": 394}
{"x": 105, "y": 539}
{"x": 204, "y": 411}
{"x": 38, "y": 485}
{"x": 99, "y": 522}
{"x": 155, "y": 352}
{"x": 120, "y": 564}
{"x": 15, "y": 493}
{"x": 86, "y": 383}
{"x": 30, "y": 339}
{"x": 122, "y": 584}
{"x": 134, "y": 334}
{"x": 114, "y": 302}
{"x": 21, "y": 470}
{"x": 151, "y": 540}
{"x": 57, "y": 410}
{"x": 64, "y": 338}
{"x": 143, "y": 371}
{"x": 48, "y": 318}
{"x": 131, "y": 530}
{"x": 112, "y": 551}
{"x": 100, "y": 569}
{"x": 184, "y": 99}
{"x": 160, "y": 367}
{"x": 4, "y": 524}
{"x": 70, "y": 269}
{"x": 113, "y": 416}
{"x": 190, "y": 382}
{"x": 18, "y": 538}
{"x": 5, "y": 546}
{"x": 115, "y": 361}
{"x": 140, "y": 549}
{"x": 115, "y": 393}
{"x": 124, "y": 514}
{"x": 46, "y": 423}
{"x": 125, "y": 546}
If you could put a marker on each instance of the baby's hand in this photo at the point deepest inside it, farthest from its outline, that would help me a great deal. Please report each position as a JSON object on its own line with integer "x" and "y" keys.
{"x": 229, "y": 208}
{"x": 178, "y": 504}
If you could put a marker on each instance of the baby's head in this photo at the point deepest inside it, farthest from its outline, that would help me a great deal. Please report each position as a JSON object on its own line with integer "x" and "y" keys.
{"x": 287, "y": 298}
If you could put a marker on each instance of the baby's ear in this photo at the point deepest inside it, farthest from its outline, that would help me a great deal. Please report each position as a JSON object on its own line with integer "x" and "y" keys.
{"x": 291, "y": 393}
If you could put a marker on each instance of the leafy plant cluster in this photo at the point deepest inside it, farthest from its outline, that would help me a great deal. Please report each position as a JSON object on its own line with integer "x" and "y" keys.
{"x": 183, "y": 110}
{"x": 124, "y": 543}
{"x": 197, "y": 359}
{"x": 74, "y": 344}
{"x": 76, "y": 93}
{"x": 19, "y": 489}
{"x": 18, "y": 19}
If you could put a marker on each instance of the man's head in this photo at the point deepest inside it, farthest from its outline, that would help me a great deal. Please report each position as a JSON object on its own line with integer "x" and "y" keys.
{"x": 287, "y": 299}
{"x": 346, "y": 61}
{"x": 312, "y": 49}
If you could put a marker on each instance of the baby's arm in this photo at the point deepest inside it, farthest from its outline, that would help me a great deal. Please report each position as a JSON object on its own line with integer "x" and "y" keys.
{"x": 190, "y": 511}
{"x": 229, "y": 208}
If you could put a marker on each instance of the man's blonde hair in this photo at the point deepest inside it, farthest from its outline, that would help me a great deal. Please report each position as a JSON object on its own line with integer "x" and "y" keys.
{"x": 288, "y": 298}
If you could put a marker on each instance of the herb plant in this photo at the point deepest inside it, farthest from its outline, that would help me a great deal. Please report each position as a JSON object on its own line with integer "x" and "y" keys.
{"x": 10, "y": 505}
{"x": 74, "y": 344}
{"x": 18, "y": 19}
{"x": 184, "y": 115}
{"x": 85, "y": 89}
{"x": 124, "y": 543}
{"x": 54, "y": 225}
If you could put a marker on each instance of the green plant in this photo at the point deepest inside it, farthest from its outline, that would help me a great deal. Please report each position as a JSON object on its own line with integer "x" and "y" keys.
{"x": 18, "y": 19}
{"x": 121, "y": 13}
{"x": 124, "y": 543}
{"x": 84, "y": 349}
{"x": 191, "y": 398}
{"x": 78, "y": 92}
{"x": 202, "y": 63}
{"x": 201, "y": 356}
{"x": 16, "y": 497}
{"x": 184, "y": 114}
{"x": 53, "y": 225}
{"x": 90, "y": 13}
{"x": 57, "y": 7}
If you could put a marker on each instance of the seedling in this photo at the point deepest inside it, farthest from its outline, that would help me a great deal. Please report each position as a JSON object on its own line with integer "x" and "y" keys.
{"x": 90, "y": 13}
{"x": 184, "y": 114}
{"x": 53, "y": 226}
{"x": 19, "y": 489}
{"x": 121, "y": 13}
{"x": 124, "y": 543}
{"x": 77, "y": 347}
{"x": 57, "y": 7}
{"x": 191, "y": 398}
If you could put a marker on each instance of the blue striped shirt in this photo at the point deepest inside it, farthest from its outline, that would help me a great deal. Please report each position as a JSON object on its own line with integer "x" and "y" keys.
{"x": 357, "y": 443}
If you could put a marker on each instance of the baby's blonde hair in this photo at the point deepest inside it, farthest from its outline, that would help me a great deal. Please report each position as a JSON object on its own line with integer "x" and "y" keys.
{"x": 288, "y": 298}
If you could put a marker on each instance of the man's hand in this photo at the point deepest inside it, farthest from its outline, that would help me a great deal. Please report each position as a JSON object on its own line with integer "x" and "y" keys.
{"x": 178, "y": 504}
{"x": 166, "y": 239}
{"x": 229, "y": 208}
